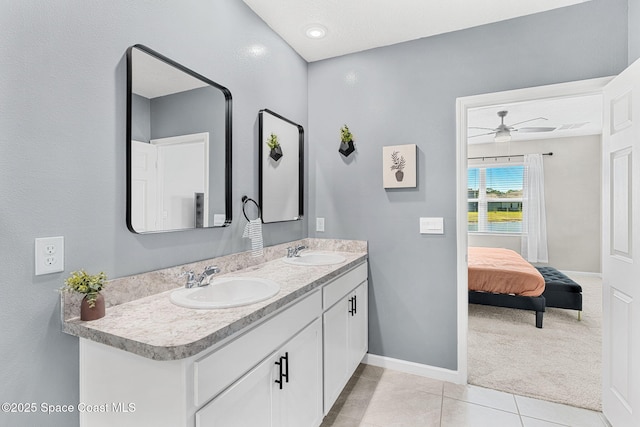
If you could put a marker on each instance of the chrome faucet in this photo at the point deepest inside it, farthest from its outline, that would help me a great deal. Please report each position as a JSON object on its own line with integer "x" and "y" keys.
{"x": 202, "y": 280}
{"x": 295, "y": 251}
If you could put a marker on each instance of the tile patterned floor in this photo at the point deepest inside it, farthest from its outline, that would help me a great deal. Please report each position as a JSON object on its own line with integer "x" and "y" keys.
{"x": 377, "y": 397}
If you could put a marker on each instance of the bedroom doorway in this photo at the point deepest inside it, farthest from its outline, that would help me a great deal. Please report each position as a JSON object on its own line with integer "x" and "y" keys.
{"x": 491, "y": 105}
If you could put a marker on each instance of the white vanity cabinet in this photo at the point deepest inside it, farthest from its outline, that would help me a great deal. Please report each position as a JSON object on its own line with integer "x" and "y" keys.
{"x": 285, "y": 369}
{"x": 345, "y": 330}
{"x": 284, "y": 390}
{"x": 230, "y": 385}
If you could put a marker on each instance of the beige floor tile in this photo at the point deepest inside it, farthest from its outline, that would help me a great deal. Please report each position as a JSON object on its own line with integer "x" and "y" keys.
{"x": 368, "y": 371}
{"x": 408, "y": 407}
{"x": 337, "y": 420}
{"x": 394, "y": 380}
{"x": 355, "y": 397}
{"x": 481, "y": 396}
{"x": 456, "y": 413}
{"x": 557, "y": 413}
{"x": 533, "y": 422}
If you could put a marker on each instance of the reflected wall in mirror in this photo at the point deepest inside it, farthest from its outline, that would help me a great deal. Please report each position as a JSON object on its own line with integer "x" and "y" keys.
{"x": 281, "y": 177}
{"x": 178, "y": 146}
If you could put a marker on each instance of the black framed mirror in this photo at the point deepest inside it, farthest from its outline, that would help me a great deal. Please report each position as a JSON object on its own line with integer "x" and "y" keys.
{"x": 178, "y": 146}
{"x": 281, "y": 160}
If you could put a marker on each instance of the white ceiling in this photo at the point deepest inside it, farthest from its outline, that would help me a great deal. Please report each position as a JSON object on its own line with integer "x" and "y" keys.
{"x": 153, "y": 77}
{"x": 580, "y": 115}
{"x": 357, "y": 25}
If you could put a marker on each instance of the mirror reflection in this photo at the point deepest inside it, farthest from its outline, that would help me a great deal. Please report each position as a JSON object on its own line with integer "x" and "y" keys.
{"x": 281, "y": 144}
{"x": 178, "y": 146}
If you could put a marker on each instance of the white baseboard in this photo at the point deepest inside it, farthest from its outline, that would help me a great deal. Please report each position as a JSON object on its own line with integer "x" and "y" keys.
{"x": 584, "y": 273}
{"x": 414, "y": 368}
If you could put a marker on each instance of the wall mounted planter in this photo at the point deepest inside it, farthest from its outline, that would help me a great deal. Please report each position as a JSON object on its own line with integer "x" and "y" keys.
{"x": 276, "y": 153}
{"x": 346, "y": 148}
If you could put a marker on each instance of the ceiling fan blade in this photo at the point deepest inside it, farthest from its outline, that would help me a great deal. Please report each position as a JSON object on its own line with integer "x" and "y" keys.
{"x": 537, "y": 129}
{"x": 526, "y": 121}
{"x": 476, "y": 127}
{"x": 482, "y": 134}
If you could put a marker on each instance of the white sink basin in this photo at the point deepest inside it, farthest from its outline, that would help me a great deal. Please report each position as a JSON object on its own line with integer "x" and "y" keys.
{"x": 315, "y": 258}
{"x": 226, "y": 292}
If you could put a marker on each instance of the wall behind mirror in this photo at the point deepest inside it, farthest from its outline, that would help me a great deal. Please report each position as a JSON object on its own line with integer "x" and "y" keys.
{"x": 281, "y": 178}
{"x": 178, "y": 146}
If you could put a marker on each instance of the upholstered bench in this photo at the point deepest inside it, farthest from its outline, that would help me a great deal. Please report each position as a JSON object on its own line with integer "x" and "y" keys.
{"x": 560, "y": 291}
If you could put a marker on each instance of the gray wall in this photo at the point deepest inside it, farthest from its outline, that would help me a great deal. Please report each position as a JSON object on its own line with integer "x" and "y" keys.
{"x": 634, "y": 30}
{"x": 405, "y": 94}
{"x": 140, "y": 118}
{"x": 62, "y": 158}
{"x": 572, "y": 196}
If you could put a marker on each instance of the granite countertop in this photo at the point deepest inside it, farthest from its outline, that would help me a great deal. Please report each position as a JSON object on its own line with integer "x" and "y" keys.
{"x": 154, "y": 327}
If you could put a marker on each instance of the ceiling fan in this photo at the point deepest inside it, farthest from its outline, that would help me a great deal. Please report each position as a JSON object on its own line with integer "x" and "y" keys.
{"x": 503, "y": 132}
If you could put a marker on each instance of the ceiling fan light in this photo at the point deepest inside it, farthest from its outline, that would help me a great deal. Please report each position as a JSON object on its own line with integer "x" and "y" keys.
{"x": 502, "y": 136}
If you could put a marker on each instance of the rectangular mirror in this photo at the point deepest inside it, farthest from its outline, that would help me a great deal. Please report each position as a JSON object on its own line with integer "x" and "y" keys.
{"x": 281, "y": 152}
{"x": 178, "y": 146}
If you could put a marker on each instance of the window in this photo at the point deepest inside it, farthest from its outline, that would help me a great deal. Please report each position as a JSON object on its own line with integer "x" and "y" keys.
{"x": 495, "y": 199}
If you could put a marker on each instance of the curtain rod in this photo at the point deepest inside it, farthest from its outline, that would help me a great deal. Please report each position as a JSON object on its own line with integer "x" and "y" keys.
{"x": 500, "y": 157}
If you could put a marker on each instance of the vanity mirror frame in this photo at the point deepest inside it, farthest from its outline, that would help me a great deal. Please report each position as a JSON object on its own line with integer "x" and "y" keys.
{"x": 263, "y": 157}
{"x": 129, "y": 143}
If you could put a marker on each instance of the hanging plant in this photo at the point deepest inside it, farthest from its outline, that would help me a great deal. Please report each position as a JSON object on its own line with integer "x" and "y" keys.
{"x": 274, "y": 146}
{"x": 346, "y": 141}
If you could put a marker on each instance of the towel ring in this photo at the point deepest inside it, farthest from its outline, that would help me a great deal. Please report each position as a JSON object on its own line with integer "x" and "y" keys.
{"x": 246, "y": 199}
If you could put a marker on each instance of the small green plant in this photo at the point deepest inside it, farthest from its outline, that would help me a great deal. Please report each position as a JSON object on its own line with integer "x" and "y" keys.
{"x": 273, "y": 142}
{"x": 346, "y": 135}
{"x": 80, "y": 281}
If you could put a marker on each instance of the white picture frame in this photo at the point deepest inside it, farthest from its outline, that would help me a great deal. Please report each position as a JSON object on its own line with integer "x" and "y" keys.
{"x": 399, "y": 166}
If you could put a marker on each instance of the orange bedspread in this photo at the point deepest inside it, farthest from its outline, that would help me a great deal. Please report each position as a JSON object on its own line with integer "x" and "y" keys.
{"x": 503, "y": 271}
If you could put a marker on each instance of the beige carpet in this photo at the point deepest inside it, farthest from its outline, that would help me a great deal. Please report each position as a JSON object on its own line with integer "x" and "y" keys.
{"x": 560, "y": 362}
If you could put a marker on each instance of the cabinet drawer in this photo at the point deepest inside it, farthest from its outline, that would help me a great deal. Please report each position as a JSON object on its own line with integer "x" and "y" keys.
{"x": 214, "y": 372}
{"x": 344, "y": 284}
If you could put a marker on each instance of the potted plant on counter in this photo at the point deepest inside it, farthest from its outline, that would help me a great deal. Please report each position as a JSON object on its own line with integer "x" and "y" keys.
{"x": 274, "y": 145}
{"x": 92, "y": 306}
{"x": 346, "y": 141}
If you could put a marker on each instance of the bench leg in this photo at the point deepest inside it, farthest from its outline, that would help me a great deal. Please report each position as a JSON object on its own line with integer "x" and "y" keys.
{"x": 579, "y": 315}
{"x": 539, "y": 315}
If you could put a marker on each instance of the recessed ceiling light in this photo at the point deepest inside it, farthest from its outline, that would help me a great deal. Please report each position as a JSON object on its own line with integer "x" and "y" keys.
{"x": 315, "y": 31}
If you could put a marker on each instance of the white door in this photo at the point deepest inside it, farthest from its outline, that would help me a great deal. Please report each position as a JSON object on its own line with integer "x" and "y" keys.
{"x": 621, "y": 248}
{"x": 144, "y": 186}
{"x": 183, "y": 170}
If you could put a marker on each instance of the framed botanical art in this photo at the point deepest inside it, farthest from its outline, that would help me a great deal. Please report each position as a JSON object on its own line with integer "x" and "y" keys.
{"x": 399, "y": 166}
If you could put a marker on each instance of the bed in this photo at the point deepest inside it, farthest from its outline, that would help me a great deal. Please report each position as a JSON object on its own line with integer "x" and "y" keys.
{"x": 501, "y": 277}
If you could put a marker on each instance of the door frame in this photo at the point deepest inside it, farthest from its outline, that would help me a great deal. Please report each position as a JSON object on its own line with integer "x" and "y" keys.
{"x": 560, "y": 90}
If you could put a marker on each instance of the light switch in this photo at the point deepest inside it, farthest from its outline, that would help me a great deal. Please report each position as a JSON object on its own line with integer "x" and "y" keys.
{"x": 431, "y": 225}
{"x": 319, "y": 224}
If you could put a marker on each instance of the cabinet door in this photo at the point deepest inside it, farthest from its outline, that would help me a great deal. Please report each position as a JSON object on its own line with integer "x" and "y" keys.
{"x": 358, "y": 327}
{"x": 336, "y": 343}
{"x": 299, "y": 402}
{"x": 248, "y": 402}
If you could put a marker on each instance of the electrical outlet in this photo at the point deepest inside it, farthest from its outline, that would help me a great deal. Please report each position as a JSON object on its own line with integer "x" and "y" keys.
{"x": 319, "y": 224}
{"x": 49, "y": 255}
